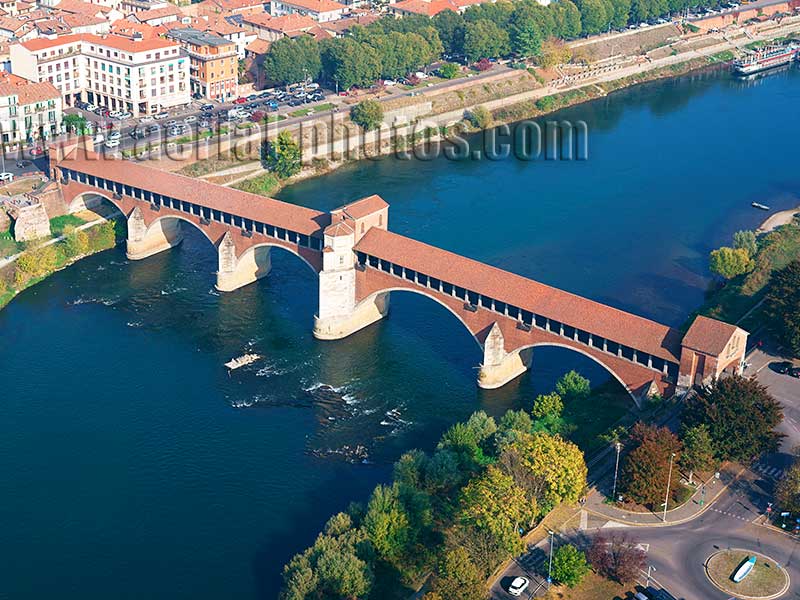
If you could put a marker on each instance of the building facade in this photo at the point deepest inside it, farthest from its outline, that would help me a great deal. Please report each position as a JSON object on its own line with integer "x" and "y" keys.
{"x": 321, "y": 11}
{"x": 141, "y": 76}
{"x": 29, "y": 111}
{"x": 214, "y": 67}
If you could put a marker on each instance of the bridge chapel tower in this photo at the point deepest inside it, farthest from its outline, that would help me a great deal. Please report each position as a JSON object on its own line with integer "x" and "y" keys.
{"x": 339, "y": 314}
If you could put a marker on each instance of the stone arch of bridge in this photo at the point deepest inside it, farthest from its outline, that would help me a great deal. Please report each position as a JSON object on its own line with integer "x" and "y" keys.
{"x": 421, "y": 292}
{"x": 254, "y": 249}
{"x": 89, "y": 199}
{"x": 609, "y": 369}
{"x": 155, "y": 223}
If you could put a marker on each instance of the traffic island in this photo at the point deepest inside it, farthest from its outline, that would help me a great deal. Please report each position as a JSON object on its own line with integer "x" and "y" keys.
{"x": 766, "y": 580}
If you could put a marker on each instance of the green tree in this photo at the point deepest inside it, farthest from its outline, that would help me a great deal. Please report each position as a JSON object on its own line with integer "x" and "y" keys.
{"x": 548, "y": 405}
{"x": 368, "y": 114}
{"x": 75, "y": 123}
{"x": 550, "y": 469}
{"x": 513, "y": 423}
{"x": 494, "y": 503}
{"x": 698, "y": 453}
{"x": 787, "y": 491}
{"x": 594, "y": 17}
{"x": 573, "y": 387}
{"x": 526, "y": 37}
{"x": 485, "y": 39}
{"x": 386, "y": 523}
{"x": 746, "y": 240}
{"x": 350, "y": 63}
{"x": 730, "y": 262}
{"x": 292, "y": 60}
{"x": 568, "y": 19}
{"x": 35, "y": 263}
{"x": 458, "y": 577}
{"x": 646, "y": 468}
{"x": 449, "y": 70}
{"x": 741, "y": 417}
{"x": 450, "y": 26}
{"x": 569, "y": 565}
{"x": 284, "y": 157}
{"x": 782, "y": 306}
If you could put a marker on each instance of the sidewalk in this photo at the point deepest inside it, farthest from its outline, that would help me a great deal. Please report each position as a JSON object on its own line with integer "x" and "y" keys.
{"x": 703, "y": 497}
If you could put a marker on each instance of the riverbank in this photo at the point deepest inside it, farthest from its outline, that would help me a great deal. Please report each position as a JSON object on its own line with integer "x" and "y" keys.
{"x": 34, "y": 264}
{"x": 514, "y": 96}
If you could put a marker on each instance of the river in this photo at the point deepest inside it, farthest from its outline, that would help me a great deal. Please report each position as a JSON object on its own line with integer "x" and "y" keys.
{"x": 134, "y": 466}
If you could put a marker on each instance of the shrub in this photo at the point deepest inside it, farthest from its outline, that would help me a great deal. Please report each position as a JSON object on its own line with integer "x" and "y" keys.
{"x": 76, "y": 242}
{"x": 480, "y": 117}
{"x": 483, "y": 64}
{"x": 449, "y": 70}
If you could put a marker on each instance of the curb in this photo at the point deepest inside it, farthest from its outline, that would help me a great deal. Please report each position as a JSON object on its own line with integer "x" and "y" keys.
{"x": 742, "y": 597}
{"x": 704, "y": 508}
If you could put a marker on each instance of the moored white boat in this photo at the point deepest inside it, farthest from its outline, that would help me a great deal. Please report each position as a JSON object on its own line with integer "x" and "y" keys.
{"x": 242, "y": 361}
{"x": 744, "y": 570}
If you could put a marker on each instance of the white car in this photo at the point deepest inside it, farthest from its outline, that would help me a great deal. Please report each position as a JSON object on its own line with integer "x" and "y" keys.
{"x": 114, "y": 135}
{"x": 146, "y": 119}
{"x": 6, "y": 176}
{"x": 171, "y": 123}
{"x": 90, "y": 107}
{"x": 519, "y": 585}
{"x": 389, "y": 82}
{"x": 112, "y": 143}
{"x": 161, "y": 115}
{"x": 190, "y": 119}
{"x": 124, "y": 115}
{"x": 114, "y": 114}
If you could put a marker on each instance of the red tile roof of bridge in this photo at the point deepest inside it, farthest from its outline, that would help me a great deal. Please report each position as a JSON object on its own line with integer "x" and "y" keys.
{"x": 250, "y": 206}
{"x": 602, "y": 320}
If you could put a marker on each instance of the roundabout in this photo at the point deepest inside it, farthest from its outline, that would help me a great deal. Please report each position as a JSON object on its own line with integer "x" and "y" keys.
{"x": 766, "y": 580}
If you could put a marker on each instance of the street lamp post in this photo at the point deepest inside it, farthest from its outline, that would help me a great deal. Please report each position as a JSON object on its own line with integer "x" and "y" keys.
{"x": 669, "y": 481}
{"x": 550, "y": 566}
{"x": 616, "y": 470}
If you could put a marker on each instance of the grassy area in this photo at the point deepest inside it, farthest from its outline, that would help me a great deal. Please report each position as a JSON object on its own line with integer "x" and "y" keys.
{"x": 775, "y": 250}
{"x": 265, "y": 184}
{"x": 766, "y": 579}
{"x": 593, "y": 587}
{"x": 314, "y": 109}
{"x": 724, "y": 56}
{"x": 57, "y": 224}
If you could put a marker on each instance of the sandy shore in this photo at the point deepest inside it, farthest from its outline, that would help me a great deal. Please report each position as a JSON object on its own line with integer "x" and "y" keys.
{"x": 778, "y": 219}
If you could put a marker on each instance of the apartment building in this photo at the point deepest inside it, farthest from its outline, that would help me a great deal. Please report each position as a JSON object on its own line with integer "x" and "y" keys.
{"x": 321, "y": 11}
{"x": 141, "y": 76}
{"x": 28, "y": 111}
{"x": 214, "y": 63}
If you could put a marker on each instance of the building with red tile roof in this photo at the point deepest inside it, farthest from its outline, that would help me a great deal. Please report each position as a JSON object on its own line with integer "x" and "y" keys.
{"x": 321, "y": 11}
{"x": 37, "y": 109}
{"x": 711, "y": 348}
{"x": 271, "y": 28}
{"x": 135, "y": 74}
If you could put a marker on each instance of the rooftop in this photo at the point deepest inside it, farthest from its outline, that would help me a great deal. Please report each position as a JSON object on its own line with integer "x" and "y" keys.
{"x": 117, "y": 42}
{"x": 709, "y": 336}
{"x": 27, "y": 92}
{"x": 602, "y": 320}
{"x": 317, "y": 6}
{"x": 198, "y": 38}
{"x": 250, "y": 206}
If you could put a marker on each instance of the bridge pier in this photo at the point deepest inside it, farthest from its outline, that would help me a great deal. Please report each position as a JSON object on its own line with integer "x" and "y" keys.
{"x": 235, "y": 272}
{"x": 144, "y": 241}
{"x": 500, "y": 367}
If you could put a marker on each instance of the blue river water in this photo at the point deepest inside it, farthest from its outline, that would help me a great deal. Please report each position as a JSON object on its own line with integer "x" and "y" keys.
{"x": 134, "y": 466}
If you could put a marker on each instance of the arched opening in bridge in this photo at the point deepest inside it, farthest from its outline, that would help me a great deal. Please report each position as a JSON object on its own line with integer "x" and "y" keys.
{"x": 91, "y": 206}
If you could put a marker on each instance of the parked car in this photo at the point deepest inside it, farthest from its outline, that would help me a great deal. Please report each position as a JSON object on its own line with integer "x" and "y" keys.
{"x": 153, "y": 128}
{"x": 783, "y": 367}
{"x": 795, "y": 372}
{"x": 161, "y": 115}
{"x": 190, "y": 119}
{"x": 272, "y": 105}
{"x": 114, "y": 135}
{"x": 124, "y": 116}
{"x": 37, "y": 151}
{"x": 240, "y": 101}
{"x": 138, "y": 133}
{"x": 204, "y": 123}
{"x": 207, "y": 107}
{"x": 171, "y": 123}
{"x": 114, "y": 114}
{"x": 312, "y": 86}
{"x": 519, "y": 585}
{"x": 112, "y": 143}
{"x": 295, "y": 102}
{"x": 22, "y": 164}
{"x": 6, "y": 177}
